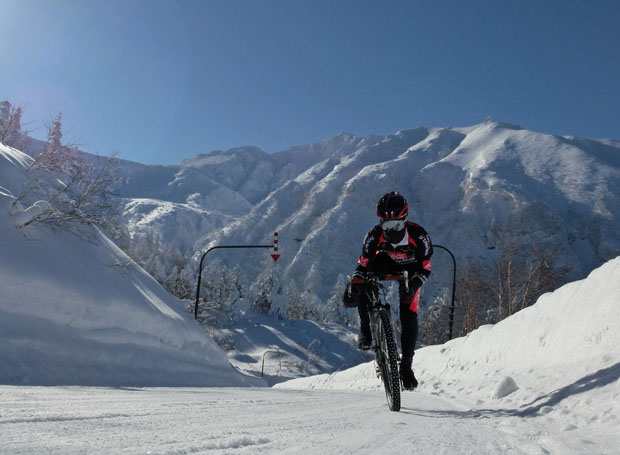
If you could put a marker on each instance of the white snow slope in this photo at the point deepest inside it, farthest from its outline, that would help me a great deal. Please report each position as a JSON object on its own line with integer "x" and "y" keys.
{"x": 556, "y": 362}
{"x": 74, "y": 309}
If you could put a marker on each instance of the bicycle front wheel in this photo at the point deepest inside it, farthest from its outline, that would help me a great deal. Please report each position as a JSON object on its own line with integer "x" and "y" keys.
{"x": 387, "y": 357}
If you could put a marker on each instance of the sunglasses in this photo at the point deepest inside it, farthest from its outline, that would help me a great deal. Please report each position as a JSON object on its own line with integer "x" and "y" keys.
{"x": 393, "y": 225}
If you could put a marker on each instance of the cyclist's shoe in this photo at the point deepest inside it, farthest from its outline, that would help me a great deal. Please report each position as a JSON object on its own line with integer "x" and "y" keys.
{"x": 408, "y": 379}
{"x": 364, "y": 339}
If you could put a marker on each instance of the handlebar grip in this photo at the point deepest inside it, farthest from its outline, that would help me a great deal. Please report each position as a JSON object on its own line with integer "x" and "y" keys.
{"x": 349, "y": 283}
{"x": 398, "y": 277}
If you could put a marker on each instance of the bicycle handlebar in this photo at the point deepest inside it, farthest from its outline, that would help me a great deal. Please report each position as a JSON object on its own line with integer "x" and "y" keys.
{"x": 400, "y": 276}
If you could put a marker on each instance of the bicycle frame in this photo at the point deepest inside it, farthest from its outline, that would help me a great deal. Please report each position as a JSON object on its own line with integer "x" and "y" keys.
{"x": 386, "y": 352}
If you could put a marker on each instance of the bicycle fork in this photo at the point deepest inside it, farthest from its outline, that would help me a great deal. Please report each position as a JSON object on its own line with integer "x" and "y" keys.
{"x": 375, "y": 345}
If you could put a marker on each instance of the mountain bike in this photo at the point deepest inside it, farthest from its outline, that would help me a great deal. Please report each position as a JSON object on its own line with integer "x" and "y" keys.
{"x": 384, "y": 343}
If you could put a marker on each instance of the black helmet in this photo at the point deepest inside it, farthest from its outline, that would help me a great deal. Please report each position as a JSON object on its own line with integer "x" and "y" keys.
{"x": 392, "y": 206}
{"x": 393, "y": 209}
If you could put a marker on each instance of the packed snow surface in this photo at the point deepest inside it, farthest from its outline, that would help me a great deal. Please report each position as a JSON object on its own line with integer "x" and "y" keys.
{"x": 74, "y": 420}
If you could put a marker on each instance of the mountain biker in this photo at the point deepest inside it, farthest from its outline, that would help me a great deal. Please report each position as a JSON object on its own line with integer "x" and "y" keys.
{"x": 391, "y": 247}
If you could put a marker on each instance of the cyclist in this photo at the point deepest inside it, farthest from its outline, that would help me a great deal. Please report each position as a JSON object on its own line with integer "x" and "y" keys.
{"x": 389, "y": 248}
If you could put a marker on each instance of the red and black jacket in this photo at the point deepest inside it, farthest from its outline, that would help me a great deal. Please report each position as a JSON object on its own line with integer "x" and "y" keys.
{"x": 413, "y": 253}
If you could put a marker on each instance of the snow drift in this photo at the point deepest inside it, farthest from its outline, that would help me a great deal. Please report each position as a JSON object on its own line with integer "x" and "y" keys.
{"x": 74, "y": 309}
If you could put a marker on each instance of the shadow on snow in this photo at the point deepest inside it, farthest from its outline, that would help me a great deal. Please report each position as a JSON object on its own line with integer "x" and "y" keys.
{"x": 601, "y": 378}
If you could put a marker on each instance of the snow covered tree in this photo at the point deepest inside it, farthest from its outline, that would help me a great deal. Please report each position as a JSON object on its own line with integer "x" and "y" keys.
{"x": 165, "y": 262}
{"x": 10, "y": 126}
{"x": 64, "y": 189}
{"x": 5, "y": 108}
{"x": 430, "y": 329}
{"x": 262, "y": 304}
{"x": 335, "y": 311}
{"x": 179, "y": 281}
{"x": 155, "y": 267}
{"x": 295, "y": 308}
{"x": 57, "y": 158}
{"x": 221, "y": 288}
{"x": 5, "y": 121}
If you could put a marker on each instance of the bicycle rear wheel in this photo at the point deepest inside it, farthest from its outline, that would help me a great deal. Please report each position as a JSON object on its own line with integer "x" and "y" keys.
{"x": 387, "y": 357}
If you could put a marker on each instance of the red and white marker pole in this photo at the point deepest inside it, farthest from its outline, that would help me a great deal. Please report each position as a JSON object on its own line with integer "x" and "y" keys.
{"x": 275, "y": 254}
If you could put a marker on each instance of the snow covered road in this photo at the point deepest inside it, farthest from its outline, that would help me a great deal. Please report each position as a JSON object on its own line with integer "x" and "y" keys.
{"x": 68, "y": 420}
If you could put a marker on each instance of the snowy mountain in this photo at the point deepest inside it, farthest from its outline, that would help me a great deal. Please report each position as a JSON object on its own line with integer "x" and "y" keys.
{"x": 461, "y": 183}
{"x": 213, "y": 190}
{"x": 75, "y": 309}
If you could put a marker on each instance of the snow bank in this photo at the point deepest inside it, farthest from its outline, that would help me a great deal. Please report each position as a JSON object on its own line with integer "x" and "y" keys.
{"x": 74, "y": 309}
{"x": 567, "y": 335}
{"x": 559, "y": 358}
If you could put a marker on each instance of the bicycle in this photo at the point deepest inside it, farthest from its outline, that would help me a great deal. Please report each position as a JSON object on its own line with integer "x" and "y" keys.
{"x": 387, "y": 362}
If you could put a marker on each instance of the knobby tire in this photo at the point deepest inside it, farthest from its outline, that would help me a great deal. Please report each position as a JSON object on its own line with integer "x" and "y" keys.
{"x": 387, "y": 356}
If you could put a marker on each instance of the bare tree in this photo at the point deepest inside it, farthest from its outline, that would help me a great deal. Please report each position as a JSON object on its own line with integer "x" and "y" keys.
{"x": 475, "y": 294}
{"x": 524, "y": 271}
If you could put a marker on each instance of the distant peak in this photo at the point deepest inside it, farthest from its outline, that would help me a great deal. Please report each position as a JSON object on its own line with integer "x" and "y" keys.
{"x": 219, "y": 156}
{"x": 510, "y": 126}
{"x": 341, "y": 137}
{"x": 242, "y": 149}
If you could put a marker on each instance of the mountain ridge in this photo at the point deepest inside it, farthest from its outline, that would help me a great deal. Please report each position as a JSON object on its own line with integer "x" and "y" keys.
{"x": 462, "y": 184}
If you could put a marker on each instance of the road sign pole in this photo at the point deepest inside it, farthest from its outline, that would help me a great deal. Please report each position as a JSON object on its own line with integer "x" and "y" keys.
{"x": 275, "y": 257}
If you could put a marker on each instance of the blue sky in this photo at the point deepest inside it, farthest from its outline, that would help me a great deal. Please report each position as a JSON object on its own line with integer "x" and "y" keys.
{"x": 159, "y": 81}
